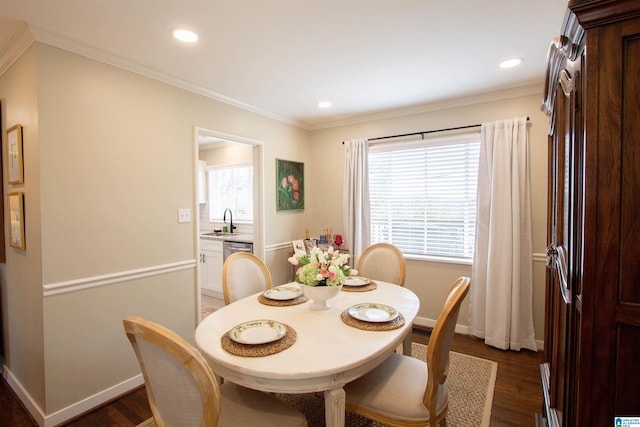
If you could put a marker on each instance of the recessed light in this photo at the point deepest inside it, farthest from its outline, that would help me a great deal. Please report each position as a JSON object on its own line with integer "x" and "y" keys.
{"x": 185, "y": 35}
{"x": 324, "y": 104}
{"x": 511, "y": 62}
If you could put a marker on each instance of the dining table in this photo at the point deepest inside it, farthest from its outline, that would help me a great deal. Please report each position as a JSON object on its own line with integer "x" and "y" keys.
{"x": 318, "y": 350}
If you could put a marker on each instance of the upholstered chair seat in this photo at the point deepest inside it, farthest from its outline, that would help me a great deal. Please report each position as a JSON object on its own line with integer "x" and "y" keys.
{"x": 403, "y": 391}
{"x": 183, "y": 391}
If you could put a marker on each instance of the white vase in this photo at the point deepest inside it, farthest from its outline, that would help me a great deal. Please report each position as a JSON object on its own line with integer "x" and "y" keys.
{"x": 319, "y": 295}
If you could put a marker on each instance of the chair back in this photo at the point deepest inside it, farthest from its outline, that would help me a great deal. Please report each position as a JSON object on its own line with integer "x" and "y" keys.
{"x": 383, "y": 261}
{"x": 181, "y": 388}
{"x": 244, "y": 274}
{"x": 441, "y": 340}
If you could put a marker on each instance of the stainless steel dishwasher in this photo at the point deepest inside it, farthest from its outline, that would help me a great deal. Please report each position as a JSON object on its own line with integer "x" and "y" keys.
{"x": 230, "y": 247}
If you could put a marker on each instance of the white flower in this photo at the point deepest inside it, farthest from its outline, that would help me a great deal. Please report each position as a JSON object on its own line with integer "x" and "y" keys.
{"x": 324, "y": 267}
{"x": 353, "y": 272}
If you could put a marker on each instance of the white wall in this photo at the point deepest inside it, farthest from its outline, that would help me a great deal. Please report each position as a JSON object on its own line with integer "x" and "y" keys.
{"x": 430, "y": 280}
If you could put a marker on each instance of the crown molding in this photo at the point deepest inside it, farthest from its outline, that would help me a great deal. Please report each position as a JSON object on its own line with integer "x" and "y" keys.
{"x": 85, "y": 50}
{"x": 25, "y": 36}
{"x": 536, "y": 88}
{"x": 15, "y": 47}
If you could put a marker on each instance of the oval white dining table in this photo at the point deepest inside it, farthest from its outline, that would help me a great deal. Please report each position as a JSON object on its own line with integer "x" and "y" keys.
{"x": 327, "y": 353}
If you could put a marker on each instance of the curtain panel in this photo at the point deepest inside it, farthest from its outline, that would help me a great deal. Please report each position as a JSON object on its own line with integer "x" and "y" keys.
{"x": 356, "y": 209}
{"x": 501, "y": 295}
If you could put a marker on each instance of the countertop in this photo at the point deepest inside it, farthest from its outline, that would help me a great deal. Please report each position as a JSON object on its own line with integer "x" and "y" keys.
{"x": 229, "y": 237}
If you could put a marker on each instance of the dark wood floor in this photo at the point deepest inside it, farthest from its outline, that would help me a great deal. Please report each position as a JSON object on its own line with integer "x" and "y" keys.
{"x": 517, "y": 396}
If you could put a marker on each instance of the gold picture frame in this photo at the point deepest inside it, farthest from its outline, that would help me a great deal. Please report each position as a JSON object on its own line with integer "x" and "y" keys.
{"x": 289, "y": 185}
{"x": 299, "y": 247}
{"x": 15, "y": 161}
{"x": 16, "y": 220}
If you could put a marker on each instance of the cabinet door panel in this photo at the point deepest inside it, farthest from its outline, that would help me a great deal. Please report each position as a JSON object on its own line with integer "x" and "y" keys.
{"x": 213, "y": 268}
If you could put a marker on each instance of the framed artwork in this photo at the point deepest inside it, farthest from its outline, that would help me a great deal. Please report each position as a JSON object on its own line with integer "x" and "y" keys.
{"x": 298, "y": 247}
{"x": 289, "y": 185}
{"x": 16, "y": 218}
{"x": 14, "y": 155}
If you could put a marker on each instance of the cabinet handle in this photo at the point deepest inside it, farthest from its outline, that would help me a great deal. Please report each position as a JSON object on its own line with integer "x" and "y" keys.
{"x": 557, "y": 261}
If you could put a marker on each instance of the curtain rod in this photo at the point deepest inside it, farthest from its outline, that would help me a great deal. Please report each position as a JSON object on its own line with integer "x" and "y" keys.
{"x": 425, "y": 132}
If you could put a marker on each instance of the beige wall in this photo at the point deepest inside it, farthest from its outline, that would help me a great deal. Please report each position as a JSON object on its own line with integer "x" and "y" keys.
{"x": 109, "y": 159}
{"x": 109, "y": 162}
{"x": 432, "y": 280}
{"x": 229, "y": 154}
{"x": 22, "y": 313}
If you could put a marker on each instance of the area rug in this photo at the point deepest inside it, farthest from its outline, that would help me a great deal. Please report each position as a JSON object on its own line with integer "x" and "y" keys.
{"x": 471, "y": 385}
{"x": 206, "y": 310}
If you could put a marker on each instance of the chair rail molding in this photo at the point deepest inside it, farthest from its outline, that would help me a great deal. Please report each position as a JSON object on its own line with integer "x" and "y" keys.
{"x": 122, "y": 276}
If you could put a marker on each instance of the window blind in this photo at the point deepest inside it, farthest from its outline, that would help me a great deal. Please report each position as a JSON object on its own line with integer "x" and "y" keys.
{"x": 423, "y": 195}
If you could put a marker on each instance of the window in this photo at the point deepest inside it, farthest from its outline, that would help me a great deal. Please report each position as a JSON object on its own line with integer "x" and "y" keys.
{"x": 423, "y": 195}
{"x": 230, "y": 187}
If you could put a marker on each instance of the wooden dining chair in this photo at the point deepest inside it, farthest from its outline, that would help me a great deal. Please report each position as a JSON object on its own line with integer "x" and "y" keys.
{"x": 183, "y": 391}
{"x": 404, "y": 391}
{"x": 383, "y": 261}
{"x": 244, "y": 274}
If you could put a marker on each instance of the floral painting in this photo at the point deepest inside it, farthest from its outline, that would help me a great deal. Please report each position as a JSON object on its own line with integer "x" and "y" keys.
{"x": 289, "y": 185}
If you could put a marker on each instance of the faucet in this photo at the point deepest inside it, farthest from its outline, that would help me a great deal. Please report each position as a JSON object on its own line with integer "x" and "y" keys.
{"x": 224, "y": 219}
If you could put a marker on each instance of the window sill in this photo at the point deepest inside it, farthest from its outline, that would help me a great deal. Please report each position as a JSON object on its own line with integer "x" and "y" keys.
{"x": 441, "y": 260}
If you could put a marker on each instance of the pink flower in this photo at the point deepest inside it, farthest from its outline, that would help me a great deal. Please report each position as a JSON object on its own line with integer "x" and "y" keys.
{"x": 284, "y": 183}
{"x": 291, "y": 178}
{"x": 295, "y": 185}
{"x": 296, "y": 195}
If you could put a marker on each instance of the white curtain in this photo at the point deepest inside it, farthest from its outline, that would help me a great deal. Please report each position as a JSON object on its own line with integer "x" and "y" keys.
{"x": 355, "y": 197}
{"x": 501, "y": 302}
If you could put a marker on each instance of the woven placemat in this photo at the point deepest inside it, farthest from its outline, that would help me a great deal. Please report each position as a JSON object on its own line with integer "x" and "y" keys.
{"x": 372, "y": 326}
{"x": 282, "y": 303}
{"x": 259, "y": 350}
{"x": 369, "y": 287}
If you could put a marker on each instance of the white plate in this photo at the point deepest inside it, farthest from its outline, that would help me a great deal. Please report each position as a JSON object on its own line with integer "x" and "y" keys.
{"x": 370, "y": 312}
{"x": 357, "y": 281}
{"x": 258, "y": 332}
{"x": 283, "y": 293}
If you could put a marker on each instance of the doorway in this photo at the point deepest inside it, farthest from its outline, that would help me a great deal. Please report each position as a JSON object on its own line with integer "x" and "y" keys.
{"x": 204, "y": 137}
{"x": 215, "y": 140}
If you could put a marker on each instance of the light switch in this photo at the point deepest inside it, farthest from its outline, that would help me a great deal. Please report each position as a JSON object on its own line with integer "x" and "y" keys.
{"x": 184, "y": 215}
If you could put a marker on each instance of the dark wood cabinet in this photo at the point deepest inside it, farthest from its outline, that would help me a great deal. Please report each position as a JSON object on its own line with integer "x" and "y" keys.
{"x": 591, "y": 372}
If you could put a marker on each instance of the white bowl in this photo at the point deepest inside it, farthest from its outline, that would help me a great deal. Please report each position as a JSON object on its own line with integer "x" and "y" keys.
{"x": 319, "y": 295}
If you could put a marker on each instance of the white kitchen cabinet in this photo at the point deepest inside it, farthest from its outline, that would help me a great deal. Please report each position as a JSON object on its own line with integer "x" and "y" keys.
{"x": 211, "y": 260}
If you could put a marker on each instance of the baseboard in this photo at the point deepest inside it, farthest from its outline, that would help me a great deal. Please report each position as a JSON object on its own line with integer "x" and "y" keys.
{"x": 27, "y": 401}
{"x": 83, "y": 406}
{"x": 90, "y": 403}
{"x": 423, "y": 322}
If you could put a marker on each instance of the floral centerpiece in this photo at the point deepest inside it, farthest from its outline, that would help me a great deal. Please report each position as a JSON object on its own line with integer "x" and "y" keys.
{"x": 322, "y": 268}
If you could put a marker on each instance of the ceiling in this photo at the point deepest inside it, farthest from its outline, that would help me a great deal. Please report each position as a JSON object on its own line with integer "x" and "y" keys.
{"x": 281, "y": 57}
